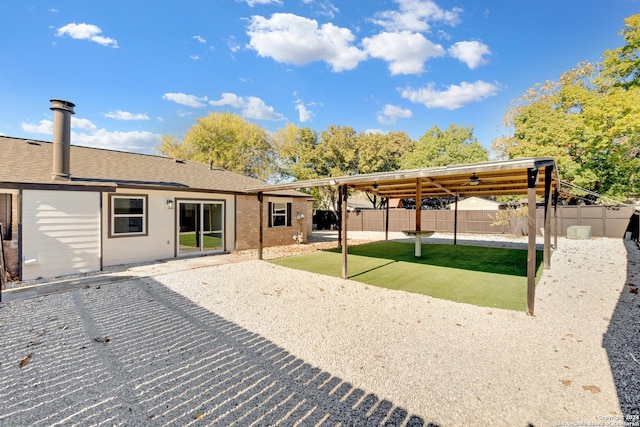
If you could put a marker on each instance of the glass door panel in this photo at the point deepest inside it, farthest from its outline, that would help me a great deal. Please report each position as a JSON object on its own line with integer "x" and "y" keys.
{"x": 189, "y": 228}
{"x": 212, "y": 221}
{"x": 201, "y": 227}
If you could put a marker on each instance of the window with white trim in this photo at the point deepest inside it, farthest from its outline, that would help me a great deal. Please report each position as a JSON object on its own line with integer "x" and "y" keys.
{"x": 128, "y": 215}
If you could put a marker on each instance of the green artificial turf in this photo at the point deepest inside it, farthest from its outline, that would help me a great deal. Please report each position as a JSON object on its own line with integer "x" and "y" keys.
{"x": 487, "y": 277}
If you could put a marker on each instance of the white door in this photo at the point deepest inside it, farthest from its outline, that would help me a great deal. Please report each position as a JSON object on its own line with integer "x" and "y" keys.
{"x": 60, "y": 233}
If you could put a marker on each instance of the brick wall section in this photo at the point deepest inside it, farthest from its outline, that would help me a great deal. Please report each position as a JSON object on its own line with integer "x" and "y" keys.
{"x": 248, "y": 223}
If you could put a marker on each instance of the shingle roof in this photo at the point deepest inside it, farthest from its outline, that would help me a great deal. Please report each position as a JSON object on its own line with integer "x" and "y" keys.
{"x": 27, "y": 161}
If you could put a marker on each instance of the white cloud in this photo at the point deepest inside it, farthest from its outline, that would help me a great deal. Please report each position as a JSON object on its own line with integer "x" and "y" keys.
{"x": 324, "y": 7}
{"x": 185, "y": 114}
{"x": 415, "y": 15}
{"x": 194, "y": 57}
{"x": 255, "y": 2}
{"x": 453, "y": 97}
{"x": 186, "y": 100}
{"x": 251, "y": 107}
{"x": 200, "y": 39}
{"x": 125, "y": 115}
{"x": 391, "y": 113}
{"x": 296, "y": 40}
{"x": 86, "y": 32}
{"x": 405, "y": 51}
{"x": 232, "y": 44}
{"x": 257, "y": 109}
{"x": 304, "y": 114}
{"x": 85, "y": 133}
{"x": 133, "y": 141}
{"x": 84, "y": 124}
{"x": 470, "y": 52}
{"x": 230, "y": 99}
{"x": 46, "y": 126}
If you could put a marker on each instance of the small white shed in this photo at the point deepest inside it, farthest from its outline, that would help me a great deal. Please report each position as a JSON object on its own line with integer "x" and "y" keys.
{"x": 477, "y": 204}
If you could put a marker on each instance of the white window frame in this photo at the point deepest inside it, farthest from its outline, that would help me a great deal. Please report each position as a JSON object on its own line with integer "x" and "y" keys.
{"x": 276, "y": 213}
{"x": 113, "y": 216}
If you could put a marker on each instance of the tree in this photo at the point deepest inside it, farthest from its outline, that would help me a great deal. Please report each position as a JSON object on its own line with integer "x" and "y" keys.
{"x": 337, "y": 151}
{"x": 381, "y": 152}
{"x": 175, "y": 149}
{"x": 226, "y": 141}
{"x": 621, "y": 66}
{"x": 437, "y": 147}
{"x": 299, "y": 158}
{"x": 296, "y": 152}
{"x": 589, "y": 120}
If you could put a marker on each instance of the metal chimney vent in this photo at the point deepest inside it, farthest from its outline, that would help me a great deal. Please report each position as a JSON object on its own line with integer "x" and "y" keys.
{"x": 62, "y": 111}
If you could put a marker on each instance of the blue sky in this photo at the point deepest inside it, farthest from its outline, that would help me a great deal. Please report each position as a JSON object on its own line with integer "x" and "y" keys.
{"x": 140, "y": 69}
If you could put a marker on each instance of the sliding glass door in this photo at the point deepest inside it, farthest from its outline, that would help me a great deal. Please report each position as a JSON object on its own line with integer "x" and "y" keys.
{"x": 200, "y": 227}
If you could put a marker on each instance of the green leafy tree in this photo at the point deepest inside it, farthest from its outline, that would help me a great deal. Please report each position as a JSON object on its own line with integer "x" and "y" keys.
{"x": 437, "y": 147}
{"x": 175, "y": 149}
{"x": 589, "y": 120}
{"x": 621, "y": 66}
{"x": 296, "y": 152}
{"x": 338, "y": 150}
{"x": 381, "y": 152}
{"x": 226, "y": 141}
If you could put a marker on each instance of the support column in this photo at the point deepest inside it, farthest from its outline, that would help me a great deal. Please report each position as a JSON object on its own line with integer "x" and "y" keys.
{"x": 532, "y": 179}
{"x": 261, "y": 225}
{"x": 547, "y": 217}
{"x": 343, "y": 231}
{"x": 455, "y": 222}
{"x": 340, "y": 217}
{"x": 555, "y": 219}
{"x": 386, "y": 220}
{"x": 418, "y": 250}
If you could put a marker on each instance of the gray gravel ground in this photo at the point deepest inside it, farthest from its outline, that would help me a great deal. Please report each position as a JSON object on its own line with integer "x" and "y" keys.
{"x": 251, "y": 343}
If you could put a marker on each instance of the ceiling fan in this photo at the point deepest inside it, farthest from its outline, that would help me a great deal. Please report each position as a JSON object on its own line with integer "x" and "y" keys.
{"x": 475, "y": 180}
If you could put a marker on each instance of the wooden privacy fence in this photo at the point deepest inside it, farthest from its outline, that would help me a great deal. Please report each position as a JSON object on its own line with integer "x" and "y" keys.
{"x": 604, "y": 222}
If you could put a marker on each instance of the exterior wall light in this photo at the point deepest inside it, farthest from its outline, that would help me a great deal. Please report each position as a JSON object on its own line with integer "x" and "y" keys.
{"x": 169, "y": 204}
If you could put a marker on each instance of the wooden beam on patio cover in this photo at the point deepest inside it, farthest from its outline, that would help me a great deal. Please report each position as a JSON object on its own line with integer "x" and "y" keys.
{"x": 343, "y": 231}
{"x": 418, "y": 206}
{"x": 440, "y": 186}
{"x": 532, "y": 179}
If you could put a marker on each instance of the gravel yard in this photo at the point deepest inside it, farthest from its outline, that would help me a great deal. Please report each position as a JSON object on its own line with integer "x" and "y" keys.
{"x": 245, "y": 342}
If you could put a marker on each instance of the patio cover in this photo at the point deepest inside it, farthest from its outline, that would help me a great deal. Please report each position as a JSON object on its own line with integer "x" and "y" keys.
{"x": 527, "y": 176}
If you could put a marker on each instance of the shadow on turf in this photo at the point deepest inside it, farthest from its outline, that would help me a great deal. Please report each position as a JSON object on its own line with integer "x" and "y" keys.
{"x": 137, "y": 353}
